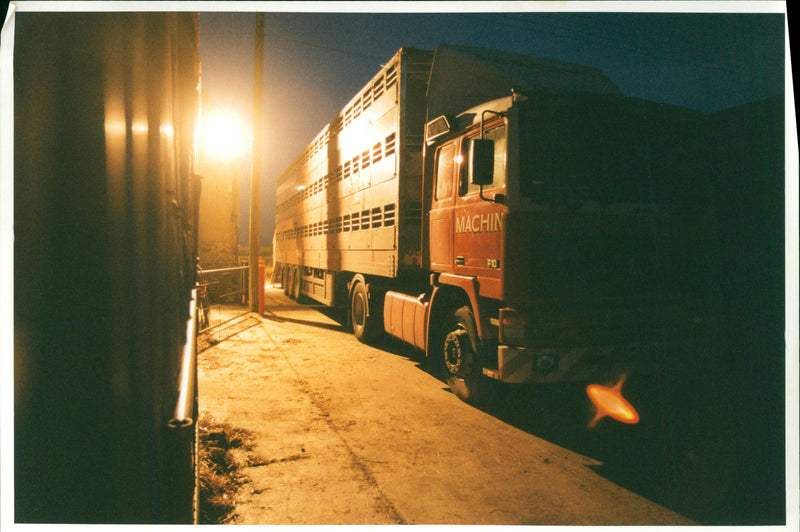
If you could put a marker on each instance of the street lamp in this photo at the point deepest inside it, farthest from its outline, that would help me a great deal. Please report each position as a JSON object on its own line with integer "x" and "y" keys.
{"x": 223, "y": 142}
{"x": 222, "y": 135}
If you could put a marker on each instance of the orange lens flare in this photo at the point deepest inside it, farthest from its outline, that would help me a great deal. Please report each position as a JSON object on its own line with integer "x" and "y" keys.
{"x": 609, "y": 402}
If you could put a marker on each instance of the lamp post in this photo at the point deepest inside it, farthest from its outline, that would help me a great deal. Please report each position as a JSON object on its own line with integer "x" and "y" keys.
{"x": 255, "y": 179}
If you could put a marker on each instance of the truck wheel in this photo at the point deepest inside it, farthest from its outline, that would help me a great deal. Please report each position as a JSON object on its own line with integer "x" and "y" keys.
{"x": 295, "y": 294}
{"x": 286, "y": 280}
{"x": 462, "y": 366}
{"x": 362, "y": 316}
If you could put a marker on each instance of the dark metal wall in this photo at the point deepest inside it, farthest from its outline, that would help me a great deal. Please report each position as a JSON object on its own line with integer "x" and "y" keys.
{"x": 103, "y": 264}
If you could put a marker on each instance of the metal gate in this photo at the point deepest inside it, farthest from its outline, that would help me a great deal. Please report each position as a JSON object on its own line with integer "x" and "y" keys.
{"x": 221, "y": 296}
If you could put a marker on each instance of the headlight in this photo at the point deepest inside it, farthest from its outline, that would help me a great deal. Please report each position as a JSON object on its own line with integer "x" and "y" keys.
{"x": 512, "y": 327}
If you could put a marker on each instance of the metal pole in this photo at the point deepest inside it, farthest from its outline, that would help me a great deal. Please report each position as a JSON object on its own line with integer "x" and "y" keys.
{"x": 184, "y": 409}
{"x": 255, "y": 176}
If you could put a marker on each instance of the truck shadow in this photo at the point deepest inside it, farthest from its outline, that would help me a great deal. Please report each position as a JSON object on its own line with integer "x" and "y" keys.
{"x": 708, "y": 449}
{"x": 631, "y": 456}
{"x": 702, "y": 448}
{"x": 269, "y": 314}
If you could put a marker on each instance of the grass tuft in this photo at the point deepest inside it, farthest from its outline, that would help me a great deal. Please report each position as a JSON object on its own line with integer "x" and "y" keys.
{"x": 224, "y": 452}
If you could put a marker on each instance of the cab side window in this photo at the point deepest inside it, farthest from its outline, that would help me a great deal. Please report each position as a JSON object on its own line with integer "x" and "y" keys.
{"x": 445, "y": 170}
{"x": 498, "y": 135}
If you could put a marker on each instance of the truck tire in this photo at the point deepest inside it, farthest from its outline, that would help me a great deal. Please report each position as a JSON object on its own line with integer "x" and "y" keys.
{"x": 363, "y": 317}
{"x": 295, "y": 294}
{"x": 460, "y": 360}
{"x": 286, "y": 279}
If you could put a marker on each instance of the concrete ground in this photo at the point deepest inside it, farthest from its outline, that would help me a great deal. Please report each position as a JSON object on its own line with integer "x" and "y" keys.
{"x": 350, "y": 434}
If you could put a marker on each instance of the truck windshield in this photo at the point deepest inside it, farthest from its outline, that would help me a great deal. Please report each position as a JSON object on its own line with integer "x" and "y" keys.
{"x": 603, "y": 148}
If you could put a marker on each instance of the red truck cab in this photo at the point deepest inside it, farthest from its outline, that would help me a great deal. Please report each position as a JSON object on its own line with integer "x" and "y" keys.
{"x": 553, "y": 237}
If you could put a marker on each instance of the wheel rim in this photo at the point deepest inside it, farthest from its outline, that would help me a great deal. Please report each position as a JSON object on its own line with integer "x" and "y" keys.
{"x": 457, "y": 353}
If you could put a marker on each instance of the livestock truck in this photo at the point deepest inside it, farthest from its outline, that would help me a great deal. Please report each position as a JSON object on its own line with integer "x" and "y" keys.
{"x": 105, "y": 244}
{"x": 511, "y": 217}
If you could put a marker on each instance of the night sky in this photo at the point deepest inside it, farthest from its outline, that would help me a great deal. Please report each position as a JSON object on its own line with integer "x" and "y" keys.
{"x": 315, "y": 62}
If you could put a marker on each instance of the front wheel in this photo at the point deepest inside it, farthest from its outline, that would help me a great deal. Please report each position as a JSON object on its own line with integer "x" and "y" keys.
{"x": 461, "y": 362}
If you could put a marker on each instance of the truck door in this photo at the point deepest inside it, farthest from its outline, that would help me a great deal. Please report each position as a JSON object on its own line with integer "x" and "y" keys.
{"x": 441, "y": 215}
{"x": 478, "y": 223}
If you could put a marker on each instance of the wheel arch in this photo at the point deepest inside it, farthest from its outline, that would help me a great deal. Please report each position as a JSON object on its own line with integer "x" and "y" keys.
{"x": 357, "y": 278}
{"x": 445, "y": 299}
{"x": 453, "y": 313}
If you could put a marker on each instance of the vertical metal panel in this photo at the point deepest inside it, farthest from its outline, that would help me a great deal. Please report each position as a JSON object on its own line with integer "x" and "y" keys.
{"x": 103, "y": 261}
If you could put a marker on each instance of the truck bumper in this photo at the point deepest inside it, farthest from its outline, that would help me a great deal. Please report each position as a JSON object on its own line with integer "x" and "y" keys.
{"x": 521, "y": 364}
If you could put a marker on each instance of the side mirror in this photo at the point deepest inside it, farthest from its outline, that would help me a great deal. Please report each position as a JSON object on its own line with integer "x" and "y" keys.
{"x": 481, "y": 162}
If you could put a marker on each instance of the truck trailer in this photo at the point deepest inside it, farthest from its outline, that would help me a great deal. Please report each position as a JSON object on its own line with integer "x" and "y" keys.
{"x": 511, "y": 217}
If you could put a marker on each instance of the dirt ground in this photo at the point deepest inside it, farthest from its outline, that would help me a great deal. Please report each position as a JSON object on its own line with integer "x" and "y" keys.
{"x": 345, "y": 433}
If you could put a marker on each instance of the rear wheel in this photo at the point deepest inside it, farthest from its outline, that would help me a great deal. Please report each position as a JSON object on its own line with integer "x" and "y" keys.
{"x": 295, "y": 294}
{"x": 459, "y": 351}
{"x": 286, "y": 279}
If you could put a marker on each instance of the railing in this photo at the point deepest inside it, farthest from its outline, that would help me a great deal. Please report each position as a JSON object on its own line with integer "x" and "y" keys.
{"x": 221, "y": 295}
{"x": 184, "y": 409}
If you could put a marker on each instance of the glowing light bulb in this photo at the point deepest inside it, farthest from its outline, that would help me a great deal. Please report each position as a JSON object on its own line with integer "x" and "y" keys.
{"x": 223, "y": 135}
{"x": 609, "y": 402}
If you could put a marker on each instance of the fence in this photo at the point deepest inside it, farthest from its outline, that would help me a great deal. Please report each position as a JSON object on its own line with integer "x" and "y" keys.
{"x": 221, "y": 295}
